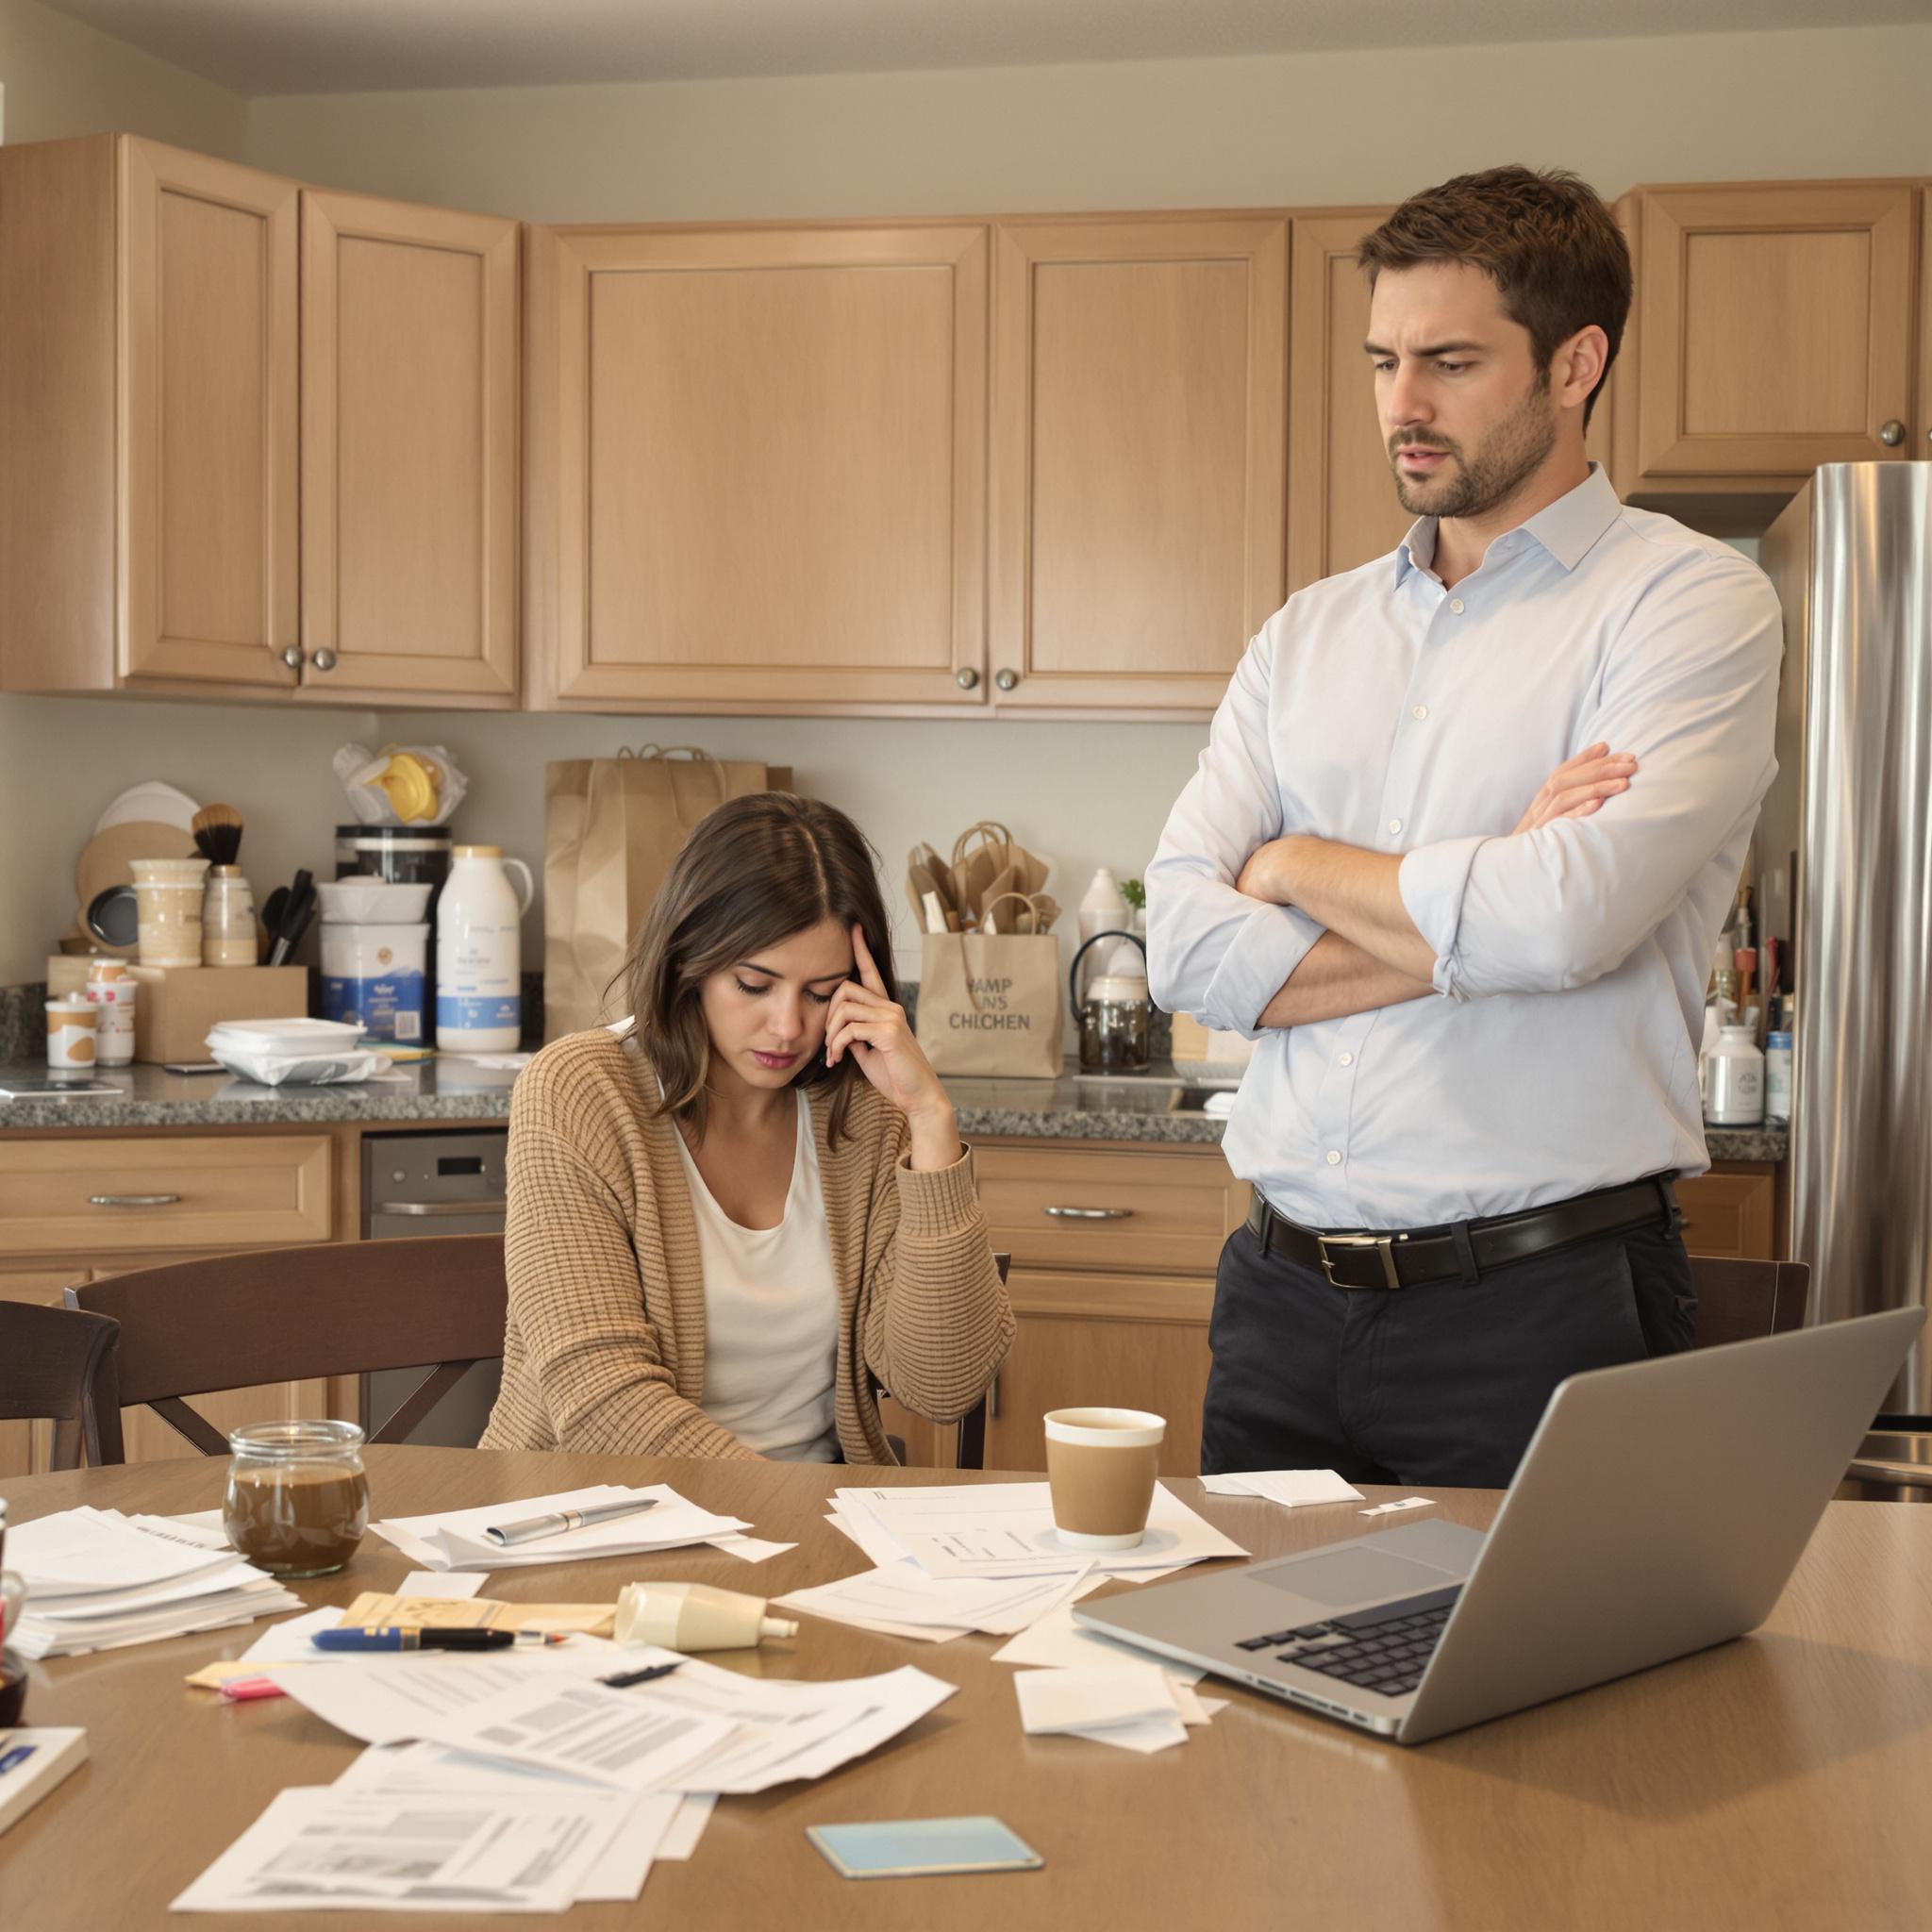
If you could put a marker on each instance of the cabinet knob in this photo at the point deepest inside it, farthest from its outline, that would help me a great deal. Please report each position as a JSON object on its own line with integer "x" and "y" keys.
{"x": 1005, "y": 679}
{"x": 1892, "y": 434}
{"x": 293, "y": 657}
{"x": 324, "y": 659}
{"x": 966, "y": 677}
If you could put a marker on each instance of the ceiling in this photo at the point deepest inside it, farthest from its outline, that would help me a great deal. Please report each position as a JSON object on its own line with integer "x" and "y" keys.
{"x": 352, "y": 46}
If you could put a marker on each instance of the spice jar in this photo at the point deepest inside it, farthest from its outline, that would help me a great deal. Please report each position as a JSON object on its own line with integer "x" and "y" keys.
{"x": 71, "y": 1032}
{"x": 112, "y": 989}
{"x": 227, "y": 919}
{"x": 297, "y": 1501}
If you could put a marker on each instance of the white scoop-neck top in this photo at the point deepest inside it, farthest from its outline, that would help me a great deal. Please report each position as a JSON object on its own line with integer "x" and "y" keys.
{"x": 771, "y": 1315}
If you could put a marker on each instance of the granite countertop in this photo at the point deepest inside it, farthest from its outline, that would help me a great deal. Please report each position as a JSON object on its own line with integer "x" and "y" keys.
{"x": 1074, "y": 1108}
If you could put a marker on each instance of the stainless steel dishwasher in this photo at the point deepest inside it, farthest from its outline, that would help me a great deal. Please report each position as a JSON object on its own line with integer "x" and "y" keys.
{"x": 427, "y": 1184}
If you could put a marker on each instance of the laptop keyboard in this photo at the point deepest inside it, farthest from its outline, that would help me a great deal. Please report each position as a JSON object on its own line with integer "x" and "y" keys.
{"x": 1385, "y": 1650}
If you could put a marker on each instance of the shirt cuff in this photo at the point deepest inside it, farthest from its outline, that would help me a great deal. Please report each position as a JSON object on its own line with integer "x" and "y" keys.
{"x": 937, "y": 1201}
{"x": 1432, "y": 880}
{"x": 1272, "y": 941}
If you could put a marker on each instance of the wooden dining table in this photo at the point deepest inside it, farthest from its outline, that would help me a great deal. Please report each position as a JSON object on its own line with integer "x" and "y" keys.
{"x": 1783, "y": 1780}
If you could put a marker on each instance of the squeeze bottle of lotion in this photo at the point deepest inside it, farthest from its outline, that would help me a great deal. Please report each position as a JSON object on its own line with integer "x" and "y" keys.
{"x": 694, "y": 1616}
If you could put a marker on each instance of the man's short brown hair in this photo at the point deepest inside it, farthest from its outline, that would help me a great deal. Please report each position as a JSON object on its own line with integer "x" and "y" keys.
{"x": 1545, "y": 239}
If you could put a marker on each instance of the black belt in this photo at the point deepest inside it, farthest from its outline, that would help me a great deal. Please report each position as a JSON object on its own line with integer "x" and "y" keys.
{"x": 1402, "y": 1258}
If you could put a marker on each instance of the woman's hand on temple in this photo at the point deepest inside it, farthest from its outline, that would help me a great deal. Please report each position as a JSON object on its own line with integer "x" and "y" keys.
{"x": 867, "y": 1024}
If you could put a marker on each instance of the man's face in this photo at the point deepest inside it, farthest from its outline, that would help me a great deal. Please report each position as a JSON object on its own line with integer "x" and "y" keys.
{"x": 1466, "y": 412}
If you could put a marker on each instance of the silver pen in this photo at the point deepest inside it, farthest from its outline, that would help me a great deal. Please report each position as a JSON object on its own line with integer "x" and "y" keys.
{"x": 532, "y": 1527}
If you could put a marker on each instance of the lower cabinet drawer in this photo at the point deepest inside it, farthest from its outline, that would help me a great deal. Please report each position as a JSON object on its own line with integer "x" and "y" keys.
{"x": 1731, "y": 1214}
{"x": 1103, "y": 1208}
{"x": 148, "y": 1193}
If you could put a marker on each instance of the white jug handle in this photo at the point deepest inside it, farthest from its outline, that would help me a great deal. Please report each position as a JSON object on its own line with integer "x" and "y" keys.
{"x": 527, "y": 890}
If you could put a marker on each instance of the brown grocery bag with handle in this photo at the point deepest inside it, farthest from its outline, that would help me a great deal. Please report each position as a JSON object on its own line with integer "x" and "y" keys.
{"x": 989, "y": 1002}
{"x": 611, "y": 828}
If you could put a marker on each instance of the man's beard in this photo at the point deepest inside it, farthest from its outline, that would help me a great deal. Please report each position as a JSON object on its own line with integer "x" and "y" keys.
{"x": 1504, "y": 462}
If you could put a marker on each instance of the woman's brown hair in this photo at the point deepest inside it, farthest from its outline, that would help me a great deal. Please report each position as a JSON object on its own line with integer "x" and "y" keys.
{"x": 1553, "y": 249}
{"x": 752, "y": 875}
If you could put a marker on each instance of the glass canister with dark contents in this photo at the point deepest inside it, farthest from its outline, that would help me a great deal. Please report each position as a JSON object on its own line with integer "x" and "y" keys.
{"x": 297, "y": 1501}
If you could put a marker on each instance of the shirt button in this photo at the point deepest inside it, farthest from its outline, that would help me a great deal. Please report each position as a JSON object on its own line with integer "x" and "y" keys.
{"x": 1334, "y": 1158}
{"x": 1456, "y": 605}
{"x": 1348, "y": 1059}
{"x": 1420, "y": 712}
{"x": 1395, "y": 825}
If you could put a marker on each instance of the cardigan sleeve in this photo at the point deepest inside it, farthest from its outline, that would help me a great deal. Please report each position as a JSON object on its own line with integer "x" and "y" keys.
{"x": 575, "y": 1295}
{"x": 937, "y": 1321}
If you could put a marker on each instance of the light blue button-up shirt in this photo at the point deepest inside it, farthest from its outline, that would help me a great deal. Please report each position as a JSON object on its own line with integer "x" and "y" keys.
{"x": 1379, "y": 709}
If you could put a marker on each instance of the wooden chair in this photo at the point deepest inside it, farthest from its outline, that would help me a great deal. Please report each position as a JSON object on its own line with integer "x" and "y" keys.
{"x": 970, "y": 1450}
{"x": 51, "y": 1369}
{"x": 1737, "y": 1301}
{"x": 287, "y": 1314}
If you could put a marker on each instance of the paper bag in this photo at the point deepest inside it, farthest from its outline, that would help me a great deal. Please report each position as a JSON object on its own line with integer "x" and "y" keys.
{"x": 611, "y": 828}
{"x": 992, "y": 1004}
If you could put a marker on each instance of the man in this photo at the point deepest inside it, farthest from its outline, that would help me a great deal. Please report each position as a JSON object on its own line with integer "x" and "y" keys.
{"x": 1468, "y": 824}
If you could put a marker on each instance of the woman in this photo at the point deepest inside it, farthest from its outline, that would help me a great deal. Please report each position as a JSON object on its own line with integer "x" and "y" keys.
{"x": 728, "y": 1226}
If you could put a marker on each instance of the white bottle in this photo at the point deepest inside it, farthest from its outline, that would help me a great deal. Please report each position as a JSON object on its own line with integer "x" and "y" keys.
{"x": 694, "y": 1616}
{"x": 480, "y": 1004}
{"x": 1737, "y": 1080}
{"x": 1104, "y": 909}
{"x": 1778, "y": 1076}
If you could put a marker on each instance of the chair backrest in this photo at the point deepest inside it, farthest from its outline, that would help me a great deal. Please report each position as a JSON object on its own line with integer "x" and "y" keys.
{"x": 287, "y": 1314}
{"x": 1739, "y": 1301}
{"x": 51, "y": 1362}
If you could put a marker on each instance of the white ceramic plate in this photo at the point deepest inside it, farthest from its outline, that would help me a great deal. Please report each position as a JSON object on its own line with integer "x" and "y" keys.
{"x": 151, "y": 801}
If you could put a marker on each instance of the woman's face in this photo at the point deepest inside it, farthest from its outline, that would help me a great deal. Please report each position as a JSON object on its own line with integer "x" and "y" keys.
{"x": 766, "y": 1014}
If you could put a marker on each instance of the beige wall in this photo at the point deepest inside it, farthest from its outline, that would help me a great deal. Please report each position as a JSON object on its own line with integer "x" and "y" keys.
{"x": 1320, "y": 128}
{"x": 63, "y": 79}
{"x": 1317, "y": 129}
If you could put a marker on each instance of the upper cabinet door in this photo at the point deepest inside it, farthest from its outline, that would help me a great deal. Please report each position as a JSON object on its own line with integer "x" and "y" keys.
{"x": 409, "y": 484}
{"x": 1140, "y": 446}
{"x": 208, "y": 504}
{"x": 1775, "y": 329}
{"x": 1341, "y": 504}
{"x": 758, "y": 467}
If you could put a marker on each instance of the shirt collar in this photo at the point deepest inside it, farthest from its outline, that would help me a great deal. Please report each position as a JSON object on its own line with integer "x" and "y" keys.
{"x": 1568, "y": 528}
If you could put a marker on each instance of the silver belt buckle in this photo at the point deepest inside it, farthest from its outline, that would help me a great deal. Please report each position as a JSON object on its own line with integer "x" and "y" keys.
{"x": 1385, "y": 1242}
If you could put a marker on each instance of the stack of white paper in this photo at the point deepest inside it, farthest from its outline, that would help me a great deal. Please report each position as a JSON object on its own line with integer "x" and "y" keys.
{"x": 1007, "y": 1530}
{"x": 901, "y": 1600}
{"x": 1293, "y": 1489}
{"x": 454, "y": 1539}
{"x": 97, "y": 1581}
{"x": 1133, "y": 1707}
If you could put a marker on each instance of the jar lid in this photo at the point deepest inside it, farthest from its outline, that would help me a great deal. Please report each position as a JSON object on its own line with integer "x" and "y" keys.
{"x": 1118, "y": 987}
{"x": 475, "y": 851}
{"x": 70, "y": 1003}
{"x": 293, "y": 1442}
{"x": 1739, "y": 1029}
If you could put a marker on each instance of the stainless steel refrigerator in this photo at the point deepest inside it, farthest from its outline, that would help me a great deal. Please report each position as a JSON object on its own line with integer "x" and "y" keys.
{"x": 1844, "y": 870}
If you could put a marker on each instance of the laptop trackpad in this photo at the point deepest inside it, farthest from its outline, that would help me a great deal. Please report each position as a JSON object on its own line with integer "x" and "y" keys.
{"x": 1344, "y": 1577}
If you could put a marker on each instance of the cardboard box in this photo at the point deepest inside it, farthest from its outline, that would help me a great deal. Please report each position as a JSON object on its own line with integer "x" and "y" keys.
{"x": 177, "y": 1005}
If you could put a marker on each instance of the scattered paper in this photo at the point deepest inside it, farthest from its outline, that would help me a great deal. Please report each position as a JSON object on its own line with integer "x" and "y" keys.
{"x": 1007, "y": 1529}
{"x": 1058, "y": 1642}
{"x": 750, "y": 1549}
{"x": 325, "y": 1847}
{"x": 1293, "y": 1489}
{"x": 449, "y": 1585}
{"x": 1407, "y": 1503}
{"x": 454, "y": 1539}
{"x": 1084, "y": 1700}
{"x": 901, "y": 1599}
{"x": 694, "y": 1811}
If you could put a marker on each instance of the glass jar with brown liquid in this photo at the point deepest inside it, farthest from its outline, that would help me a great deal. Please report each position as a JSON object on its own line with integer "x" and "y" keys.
{"x": 297, "y": 1501}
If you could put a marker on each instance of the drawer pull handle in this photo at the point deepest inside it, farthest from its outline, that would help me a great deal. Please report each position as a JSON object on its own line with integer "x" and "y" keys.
{"x": 134, "y": 1200}
{"x": 1091, "y": 1213}
{"x": 497, "y": 1207}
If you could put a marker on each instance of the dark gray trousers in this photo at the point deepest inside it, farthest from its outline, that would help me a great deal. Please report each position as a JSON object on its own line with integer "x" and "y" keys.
{"x": 1442, "y": 1383}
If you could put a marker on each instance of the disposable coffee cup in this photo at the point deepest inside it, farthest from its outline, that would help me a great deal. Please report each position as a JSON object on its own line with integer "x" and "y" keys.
{"x": 1100, "y": 1464}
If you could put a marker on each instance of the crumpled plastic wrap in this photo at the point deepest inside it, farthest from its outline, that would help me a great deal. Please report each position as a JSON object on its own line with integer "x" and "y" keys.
{"x": 400, "y": 785}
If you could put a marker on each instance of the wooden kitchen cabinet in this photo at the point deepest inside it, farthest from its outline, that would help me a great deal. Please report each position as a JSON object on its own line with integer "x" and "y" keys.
{"x": 1342, "y": 504}
{"x": 411, "y": 403}
{"x": 1773, "y": 331}
{"x": 1732, "y": 1211}
{"x": 26, "y": 1448}
{"x": 756, "y": 466}
{"x": 189, "y": 502}
{"x": 1139, "y": 457}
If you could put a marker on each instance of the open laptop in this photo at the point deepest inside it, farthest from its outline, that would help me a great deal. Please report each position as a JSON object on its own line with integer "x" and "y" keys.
{"x": 1660, "y": 1509}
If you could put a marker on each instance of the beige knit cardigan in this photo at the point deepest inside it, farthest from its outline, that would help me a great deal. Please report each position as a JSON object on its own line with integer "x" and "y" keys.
{"x": 604, "y": 1349}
